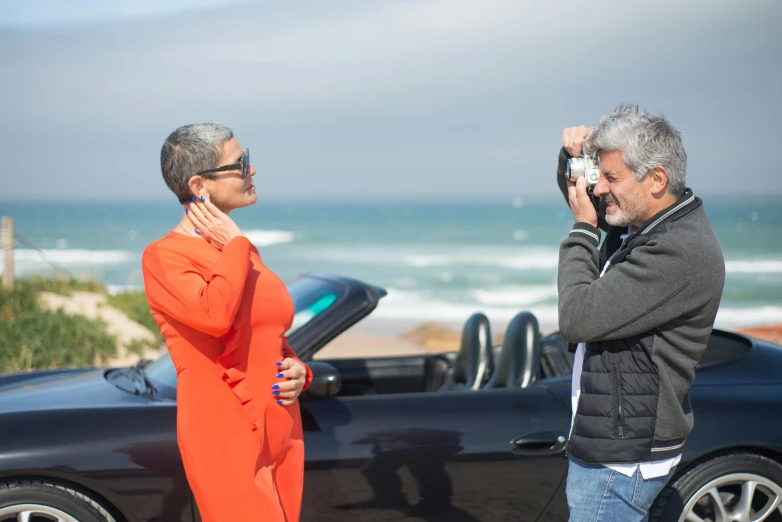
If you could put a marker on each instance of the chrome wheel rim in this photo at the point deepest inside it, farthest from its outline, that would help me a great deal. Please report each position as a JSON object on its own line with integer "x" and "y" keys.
{"x": 738, "y": 497}
{"x": 33, "y": 513}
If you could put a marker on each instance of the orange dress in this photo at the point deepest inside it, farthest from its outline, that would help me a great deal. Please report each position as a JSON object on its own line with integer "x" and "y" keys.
{"x": 224, "y": 316}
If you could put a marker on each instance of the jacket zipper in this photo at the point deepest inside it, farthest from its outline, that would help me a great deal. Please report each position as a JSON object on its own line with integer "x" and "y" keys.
{"x": 619, "y": 413}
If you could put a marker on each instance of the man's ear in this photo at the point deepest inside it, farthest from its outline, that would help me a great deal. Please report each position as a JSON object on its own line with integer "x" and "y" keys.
{"x": 658, "y": 177}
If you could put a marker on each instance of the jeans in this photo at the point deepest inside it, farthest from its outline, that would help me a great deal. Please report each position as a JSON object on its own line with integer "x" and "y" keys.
{"x": 596, "y": 493}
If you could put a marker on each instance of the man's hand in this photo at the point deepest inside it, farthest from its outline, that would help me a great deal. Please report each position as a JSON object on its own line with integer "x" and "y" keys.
{"x": 580, "y": 202}
{"x": 573, "y": 139}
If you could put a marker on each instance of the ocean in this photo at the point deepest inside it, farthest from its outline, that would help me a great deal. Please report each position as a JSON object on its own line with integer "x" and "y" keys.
{"x": 440, "y": 261}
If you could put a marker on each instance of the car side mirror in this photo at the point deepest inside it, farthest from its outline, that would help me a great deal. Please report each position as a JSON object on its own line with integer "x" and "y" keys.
{"x": 326, "y": 381}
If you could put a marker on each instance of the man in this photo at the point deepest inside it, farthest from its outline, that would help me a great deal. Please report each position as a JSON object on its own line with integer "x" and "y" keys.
{"x": 641, "y": 306}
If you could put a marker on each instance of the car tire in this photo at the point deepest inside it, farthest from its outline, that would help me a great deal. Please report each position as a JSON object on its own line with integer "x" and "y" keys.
{"x": 51, "y": 500}
{"x": 732, "y": 476}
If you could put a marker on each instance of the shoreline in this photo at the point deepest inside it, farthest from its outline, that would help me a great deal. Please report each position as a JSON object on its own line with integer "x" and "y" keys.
{"x": 389, "y": 338}
{"x": 371, "y": 337}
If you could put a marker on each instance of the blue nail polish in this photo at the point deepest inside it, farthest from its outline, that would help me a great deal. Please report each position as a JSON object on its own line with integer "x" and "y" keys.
{"x": 279, "y": 402}
{"x": 187, "y": 212}
{"x": 197, "y": 232}
{"x": 275, "y": 393}
{"x": 278, "y": 364}
{"x": 274, "y": 387}
{"x": 280, "y": 375}
{"x": 194, "y": 198}
{"x": 203, "y": 199}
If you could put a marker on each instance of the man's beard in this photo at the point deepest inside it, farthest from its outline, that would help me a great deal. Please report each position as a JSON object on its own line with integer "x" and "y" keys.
{"x": 626, "y": 211}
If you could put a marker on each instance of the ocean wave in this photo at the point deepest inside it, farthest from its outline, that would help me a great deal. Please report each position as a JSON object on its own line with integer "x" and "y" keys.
{"x": 750, "y": 316}
{"x": 25, "y": 256}
{"x": 531, "y": 259}
{"x": 753, "y": 266}
{"x": 122, "y": 289}
{"x": 441, "y": 256}
{"x": 415, "y": 306}
{"x": 411, "y": 305}
{"x": 261, "y": 238}
{"x": 515, "y": 296}
{"x": 545, "y": 259}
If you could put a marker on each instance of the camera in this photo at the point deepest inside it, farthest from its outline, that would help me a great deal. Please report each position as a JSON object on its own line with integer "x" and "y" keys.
{"x": 587, "y": 166}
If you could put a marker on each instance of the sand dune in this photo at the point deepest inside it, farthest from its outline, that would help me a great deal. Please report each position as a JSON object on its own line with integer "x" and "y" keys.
{"x": 94, "y": 306}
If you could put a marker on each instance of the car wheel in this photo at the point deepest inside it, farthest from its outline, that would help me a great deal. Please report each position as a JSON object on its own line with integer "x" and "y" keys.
{"x": 736, "y": 486}
{"x": 45, "y": 501}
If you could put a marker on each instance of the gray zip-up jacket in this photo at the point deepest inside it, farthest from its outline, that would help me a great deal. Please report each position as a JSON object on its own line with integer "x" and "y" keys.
{"x": 645, "y": 324}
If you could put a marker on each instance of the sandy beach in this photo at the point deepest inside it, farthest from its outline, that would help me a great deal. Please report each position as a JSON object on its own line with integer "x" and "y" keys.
{"x": 770, "y": 333}
{"x": 387, "y": 338}
{"x": 432, "y": 337}
{"x": 372, "y": 337}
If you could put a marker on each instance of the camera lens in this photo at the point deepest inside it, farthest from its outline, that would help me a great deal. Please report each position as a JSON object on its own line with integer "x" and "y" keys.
{"x": 575, "y": 168}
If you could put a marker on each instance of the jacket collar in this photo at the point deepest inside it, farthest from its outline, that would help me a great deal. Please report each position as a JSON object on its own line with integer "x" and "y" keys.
{"x": 686, "y": 204}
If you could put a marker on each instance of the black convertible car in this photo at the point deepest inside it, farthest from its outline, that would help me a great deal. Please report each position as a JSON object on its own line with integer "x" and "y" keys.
{"x": 478, "y": 435}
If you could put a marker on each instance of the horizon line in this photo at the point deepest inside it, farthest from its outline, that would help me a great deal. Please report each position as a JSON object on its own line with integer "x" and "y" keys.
{"x": 369, "y": 198}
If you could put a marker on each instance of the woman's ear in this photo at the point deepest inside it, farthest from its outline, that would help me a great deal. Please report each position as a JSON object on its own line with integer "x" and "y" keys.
{"x": 197, "y": 186}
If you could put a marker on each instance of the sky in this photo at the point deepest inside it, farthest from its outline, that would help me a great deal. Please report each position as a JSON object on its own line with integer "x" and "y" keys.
{"x": 388, "y": 99}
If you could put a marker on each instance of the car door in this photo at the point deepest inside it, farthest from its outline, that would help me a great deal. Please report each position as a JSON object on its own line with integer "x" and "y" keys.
{"x": 486, "y": 456}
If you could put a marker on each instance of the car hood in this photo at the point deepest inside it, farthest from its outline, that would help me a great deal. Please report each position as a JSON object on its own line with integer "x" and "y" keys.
{"x": 46, "y": 390}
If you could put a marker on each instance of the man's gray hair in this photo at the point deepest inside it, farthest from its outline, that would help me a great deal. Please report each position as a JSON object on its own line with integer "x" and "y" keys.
{"x": 646, "y": 141}
{"x": 191, "y": 149}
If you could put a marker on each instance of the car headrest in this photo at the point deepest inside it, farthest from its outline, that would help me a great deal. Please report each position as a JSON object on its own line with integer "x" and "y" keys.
{"x": 519, "y": 361}
{"x": 474, "y": 362}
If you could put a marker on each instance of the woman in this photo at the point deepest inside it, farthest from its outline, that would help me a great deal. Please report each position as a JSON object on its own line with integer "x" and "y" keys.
{"x": 224, "y": 316}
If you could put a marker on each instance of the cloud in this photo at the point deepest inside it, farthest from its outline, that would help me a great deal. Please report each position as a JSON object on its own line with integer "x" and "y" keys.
{"x": 42, "y": 13}
{"x": 428, "y": 97}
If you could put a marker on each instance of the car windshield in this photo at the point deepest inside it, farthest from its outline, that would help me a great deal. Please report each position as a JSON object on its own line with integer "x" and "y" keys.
{"x": 311, "y": 297}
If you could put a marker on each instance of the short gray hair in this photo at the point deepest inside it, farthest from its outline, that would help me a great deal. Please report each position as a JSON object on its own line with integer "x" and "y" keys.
{"x": 645, "y": 141}
{"x": 191, "y": 149}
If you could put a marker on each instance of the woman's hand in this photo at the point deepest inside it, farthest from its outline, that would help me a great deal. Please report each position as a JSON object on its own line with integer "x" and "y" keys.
{"x": 295, "y": 374}
{"x": 211, "y": 222}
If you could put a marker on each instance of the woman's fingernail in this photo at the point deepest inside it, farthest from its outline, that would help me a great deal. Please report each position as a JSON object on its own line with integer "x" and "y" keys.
{"x": 187, "y": 212}
{"x": 276, "y": 392}
{"x": 197, "y": 232}
{"x": 203, "y": 199}
{"x": 278, "y": 364}
{"x": 194, "y": 198}
{"x": 275, "y": 386}
{"x": 279, "y": 402}
{"x": 279, "y": 375}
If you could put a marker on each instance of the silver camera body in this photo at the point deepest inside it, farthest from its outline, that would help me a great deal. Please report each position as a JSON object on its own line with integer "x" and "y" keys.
{"x": 587, "y": 166}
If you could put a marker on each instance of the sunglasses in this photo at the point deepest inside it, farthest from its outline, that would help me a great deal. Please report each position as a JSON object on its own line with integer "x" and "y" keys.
{"x": 243, "y": 164}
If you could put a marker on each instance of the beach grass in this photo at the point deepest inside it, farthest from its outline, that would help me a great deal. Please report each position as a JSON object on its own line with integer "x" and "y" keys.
{"x": 58, "y": 285}
{"x": 132, "y": 304}
{"x": 135, "y": 306}
{"x": 34, "y": 338}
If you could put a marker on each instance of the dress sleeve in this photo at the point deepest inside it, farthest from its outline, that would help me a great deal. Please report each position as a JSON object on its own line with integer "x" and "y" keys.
{"x": 175, "y": 287}
{"x": 287, "y": 352}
